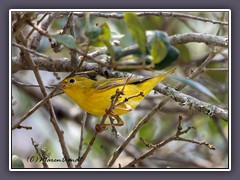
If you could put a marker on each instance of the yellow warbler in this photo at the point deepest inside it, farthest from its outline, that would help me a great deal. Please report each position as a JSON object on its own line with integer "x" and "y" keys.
{"x": 95, "y": 96}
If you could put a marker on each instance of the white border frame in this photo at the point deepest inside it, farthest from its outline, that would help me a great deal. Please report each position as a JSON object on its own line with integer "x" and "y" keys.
{"x": 112, "y": 10}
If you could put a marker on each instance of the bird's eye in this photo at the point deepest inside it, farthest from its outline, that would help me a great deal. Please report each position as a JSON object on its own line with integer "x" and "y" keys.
{"x": 72, "y": 80}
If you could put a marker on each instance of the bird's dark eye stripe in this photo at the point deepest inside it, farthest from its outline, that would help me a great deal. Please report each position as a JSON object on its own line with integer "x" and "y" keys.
{"x": 72, "y": 80}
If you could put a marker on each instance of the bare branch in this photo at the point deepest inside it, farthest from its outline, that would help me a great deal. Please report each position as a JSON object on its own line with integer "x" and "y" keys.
{"x": 31, "y": 51}
{"x": 36, "y": 36}
{"x": 54, "y": 64}
{"x": 177, "y": 96}
{"x": 22, "y": 22}
{"x": 64, "y": 64}
{"x": 175, "y": 137}
{"x": 14, "y": 81}
{"x": 38, "y": 22}
{"x": 166, "y": 14}
{"x": 216, "y": 69}
{"x": 24, "y": 127}
{"x": 208, "y": 39}
{"x": 40, "y": 154}
{"x": 193, "y": 103}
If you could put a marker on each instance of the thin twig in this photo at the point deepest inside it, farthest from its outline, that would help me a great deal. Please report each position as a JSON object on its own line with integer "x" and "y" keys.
{"x": 40, "y": 154}
{"x": 39, "y": 29}
{"x": 175, "y": 137}
{"x": 115, "y": 98}
{"x": 199, "y": 70}
{"x": 86, "y": 56}
{"x": 73, "y": 54}
{"x": 24, "y": 127}
{"x": 127, "y": 67}
{"x": 216, "y": 69}
{"x": 36, "y": 37}
{"x": 186, "y": 23}
{"x": 167, "y": 14}
{"x": 58, "y": 64}
{"x": 128, "y": 98}
{"x": 40, "y": 103}
{"x": 204, "y": 143}
{"x": 14, "y": 81}
{"x": 114, "y": 129}
{"x": 38, "y": 22}
{"x": 23, "y": 20}
{"x": 222, "y": 19}
{"x": 83, "y": 157}
{"x": 31, "y": 51}
{"x": 82, "y": 125}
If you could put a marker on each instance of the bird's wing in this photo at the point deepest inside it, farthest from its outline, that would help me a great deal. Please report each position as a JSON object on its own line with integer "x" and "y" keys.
{"x": 114, "y": 82}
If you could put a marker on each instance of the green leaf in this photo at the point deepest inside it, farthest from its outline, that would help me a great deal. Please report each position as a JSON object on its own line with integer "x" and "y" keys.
{"x": 109, "y": 46}
{"x": 67, "y": 40}
{"x": 171, "y": 56}
{"x": 99, "y": 35}
{"x": 152, "y": 35}
{"x": 158, "y": 51}
{"x": 137, "y": 30}
{"x": 93, "y": 32}
{"x": 172, "y": 52}
{"x": 17, "y": 162}
{"x": 106, "y": 31}
{"x": 195, "y": 85}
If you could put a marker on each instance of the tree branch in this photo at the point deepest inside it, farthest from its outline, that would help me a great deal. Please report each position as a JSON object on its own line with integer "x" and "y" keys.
{"x": 208, "y": 39}
{"x": 166, "y": 14}
{"x": 36, "y": 37}
{"x": 40, "y": 153}
{"x": 175, "y": 137}
{"x": 64, "y": 64}
{"x": 193, "y": 103}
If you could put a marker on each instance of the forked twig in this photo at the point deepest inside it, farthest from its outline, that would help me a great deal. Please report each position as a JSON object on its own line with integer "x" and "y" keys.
{"x": 175, "y": 137}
